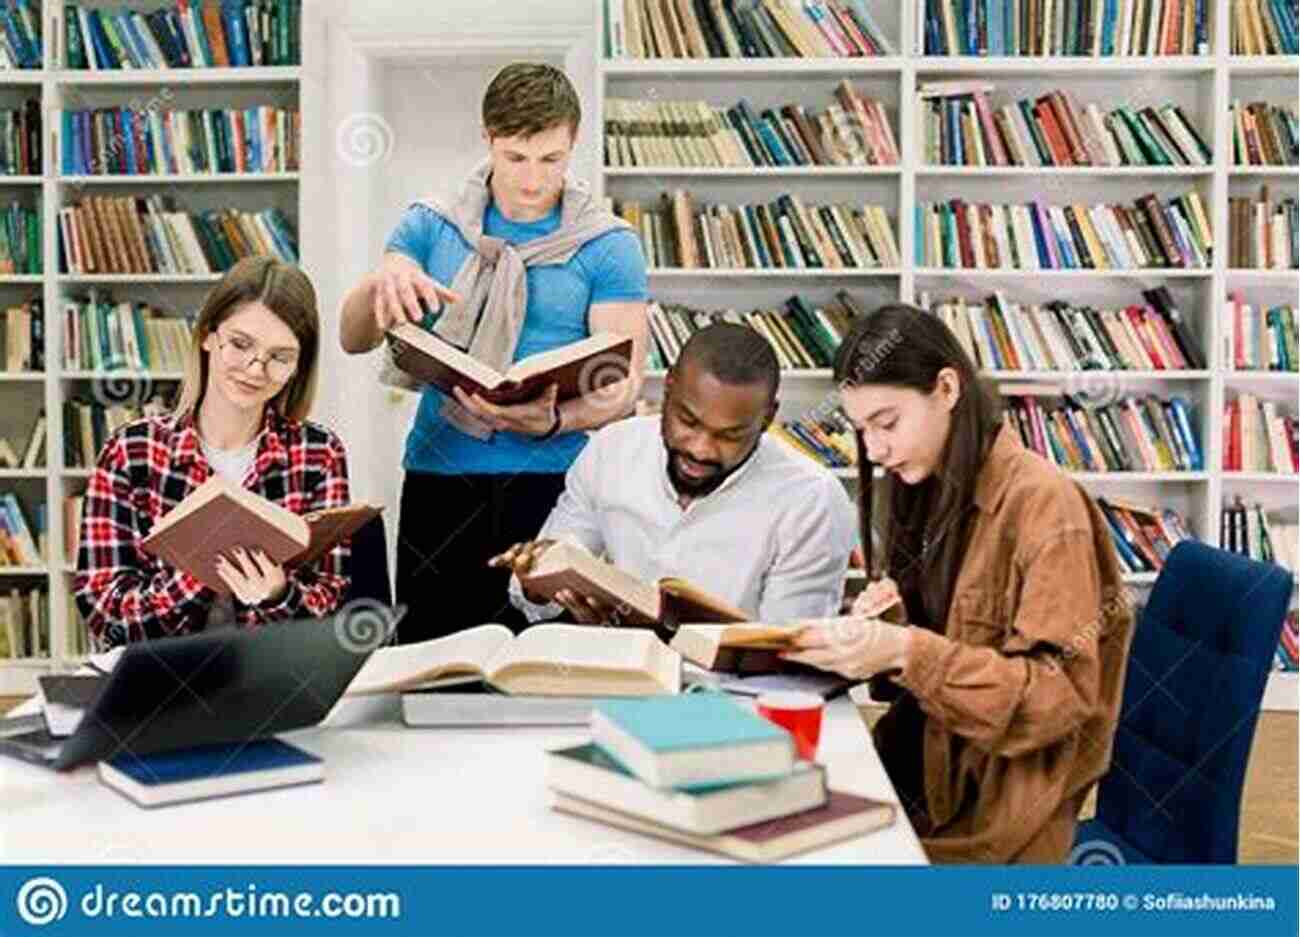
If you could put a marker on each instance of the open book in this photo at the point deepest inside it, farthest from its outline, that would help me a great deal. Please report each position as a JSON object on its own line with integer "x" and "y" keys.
{"x": 567, "y": 565}
{"x": 544, "y": 660}
{"x": 219, "y": 515}
{"x": 578, "y": 368}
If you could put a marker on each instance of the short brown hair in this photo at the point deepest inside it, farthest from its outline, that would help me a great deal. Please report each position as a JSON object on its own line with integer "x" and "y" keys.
{"x": 526, "y": 98}
{"x": 287, "y": 292}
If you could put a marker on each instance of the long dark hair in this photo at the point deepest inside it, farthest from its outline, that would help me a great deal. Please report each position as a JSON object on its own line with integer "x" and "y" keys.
{"x": 927, "y": 524}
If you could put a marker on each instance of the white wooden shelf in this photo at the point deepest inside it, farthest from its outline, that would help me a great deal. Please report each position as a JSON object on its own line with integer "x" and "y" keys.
{"x": 764, "y": 273}
{"x": 1175, "y": 273}
{"x": 759, "y": 68}
{"x": 21, "y": 377}
{"x": 74, "y": 279}
{"x": 1066, "y": 376}
{"x": 22, "y": 76}
{"x": 1271, "y": 66}
{"x": 1247, "y": 171}
{"x": 181, "y": 178}
{"x": 1081, "y": 172}
{"x": 1142, "y": 477}
{"x": 17, "y": 474}
{"x": 144, "y": 77}
{"x": 1262, "y": 478}
{"x": 21, "y": 278}
{"x": 1263, "y": 276}
{"x": 1280, "y": 378}
{"x": 21, "y": 180}
{"x": 1055, "y": 66}
{"x": 751, "y": 172}
{"x": 24, "y": 571}
{"x": 1140, "y": 579}
{"x": 122, "y": 375}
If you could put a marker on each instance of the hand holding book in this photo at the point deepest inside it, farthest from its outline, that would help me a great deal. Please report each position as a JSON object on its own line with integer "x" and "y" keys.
{"x": 253, "y": 577}
{"x": 585, "y": 609}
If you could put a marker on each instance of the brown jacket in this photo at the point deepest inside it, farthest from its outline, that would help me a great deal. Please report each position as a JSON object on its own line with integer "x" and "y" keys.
{"x": 1021, "y": 693}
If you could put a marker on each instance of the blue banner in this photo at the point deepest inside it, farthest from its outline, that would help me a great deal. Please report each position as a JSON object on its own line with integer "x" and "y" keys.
{"x": 574, "y": 901}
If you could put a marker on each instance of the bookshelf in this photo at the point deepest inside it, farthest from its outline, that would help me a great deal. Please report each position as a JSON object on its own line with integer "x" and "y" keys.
{"x": 1203, "y": 85}
{"x": 23, "y": 395}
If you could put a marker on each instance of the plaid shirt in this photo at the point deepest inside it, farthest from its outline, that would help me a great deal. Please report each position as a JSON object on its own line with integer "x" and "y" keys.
{"x": 144, "y": 470}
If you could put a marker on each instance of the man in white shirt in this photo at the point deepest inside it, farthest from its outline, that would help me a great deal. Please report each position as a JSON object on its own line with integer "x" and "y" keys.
{"x": 702, "y": 492}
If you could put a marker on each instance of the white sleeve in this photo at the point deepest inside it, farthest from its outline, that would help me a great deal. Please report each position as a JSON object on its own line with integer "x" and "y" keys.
{"x": 575, "y": 518}
{"x": 806, "y": 579}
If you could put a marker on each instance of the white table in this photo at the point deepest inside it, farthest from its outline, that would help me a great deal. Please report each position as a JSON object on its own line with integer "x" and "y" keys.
{"x": 396, "y": 795}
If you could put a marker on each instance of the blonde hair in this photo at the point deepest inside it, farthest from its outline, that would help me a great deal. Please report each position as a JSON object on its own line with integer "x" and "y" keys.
{"x": 287, "y": 292}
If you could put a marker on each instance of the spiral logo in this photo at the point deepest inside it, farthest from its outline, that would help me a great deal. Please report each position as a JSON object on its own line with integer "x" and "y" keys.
{"x": 363, "y": 625}
{"x": 602, "y": 380}
{"x": 122, "y": 389}
{"x": 42, "y": 901}
{"x": 362, "y": 140}
{"x": 1096, "y": 852}
{"x": 1096, "y": 386}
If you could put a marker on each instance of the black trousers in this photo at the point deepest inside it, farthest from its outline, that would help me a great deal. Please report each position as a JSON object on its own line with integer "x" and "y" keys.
{"x": 449, "y": 526}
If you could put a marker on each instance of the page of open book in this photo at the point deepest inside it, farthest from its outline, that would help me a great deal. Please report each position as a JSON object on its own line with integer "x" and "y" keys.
{"x": 406, "y": 666}
{"x": 545, "y": 360}
{"x": 450, "y": 355}
{"x": 642, "y": 596}
{"x": 575, "y": 648}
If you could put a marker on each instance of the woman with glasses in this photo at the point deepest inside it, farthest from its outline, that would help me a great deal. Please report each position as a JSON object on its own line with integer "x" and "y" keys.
{"x": 250, "y": 379}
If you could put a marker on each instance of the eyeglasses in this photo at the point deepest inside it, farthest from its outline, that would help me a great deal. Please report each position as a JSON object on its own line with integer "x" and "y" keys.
{"x": 240, "y": 353}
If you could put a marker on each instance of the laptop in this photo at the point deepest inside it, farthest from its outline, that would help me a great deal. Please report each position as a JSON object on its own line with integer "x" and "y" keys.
{"x": 209, "y": 688}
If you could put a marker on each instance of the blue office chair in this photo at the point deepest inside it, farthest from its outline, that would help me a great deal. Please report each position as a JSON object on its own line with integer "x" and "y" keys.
{"x": 368, "y": 565}
{"x": 1200, "y": 657}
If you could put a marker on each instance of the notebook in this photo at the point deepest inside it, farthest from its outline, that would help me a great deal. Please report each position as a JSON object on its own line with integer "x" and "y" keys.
{"x": 191, "y": 774}
{"x": 692, "y": 739}
{"x": 219, "y": 515}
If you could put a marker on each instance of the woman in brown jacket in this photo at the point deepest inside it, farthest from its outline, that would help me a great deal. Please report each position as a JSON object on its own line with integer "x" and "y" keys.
{"x": 1006, "y": 677}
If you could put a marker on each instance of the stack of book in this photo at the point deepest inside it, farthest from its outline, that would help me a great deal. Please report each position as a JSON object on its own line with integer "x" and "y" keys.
{"x": 197, "y": 34}
{"x": 100, "y": 335}
{"x": 1259, "y": 437}
{"x": 824, "y": 435}
{"x": 1250, "y": 531}
{"x": 784, "y": 234}
{"x": 1264, "y": 27}
{"x": 1261, "y": 235}
{"x": 1265, "y": 134}
{"x": 1059, "y": 336}
{"x": 1258, "y": 339}
{"x": 703, "y": 770}
{"x": 20, "y": 35}
{"x": 129, "y": 141}
{"x": 1143, "y": 535}
{"x": 88, "y": 424}
{"x": 20, "y": 241}
{"x": 20, "y": 140}
{"x": 961, "y": 127}
{"x": 18, "y": 546}
{"x": 103, "y": 234}
{"x": 22, "y": 337}
{"x": 855, "y": 131}
{"x": 646, "y": 29}
{"x": 24, "y": 624}
{"x": 803, "y": 335}
{"x": 1096, "y": 28}
{"x": 1133, "y": 434}
{"x": 962, "y": 235}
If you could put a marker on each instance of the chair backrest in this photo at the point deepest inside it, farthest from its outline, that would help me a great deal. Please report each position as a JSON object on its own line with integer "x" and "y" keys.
{"x": 368, "y": 565}
{"x": 1200, "y": 657}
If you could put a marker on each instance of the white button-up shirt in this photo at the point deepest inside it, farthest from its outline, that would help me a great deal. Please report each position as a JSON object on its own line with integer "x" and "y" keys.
{"x": 773, "y": 539}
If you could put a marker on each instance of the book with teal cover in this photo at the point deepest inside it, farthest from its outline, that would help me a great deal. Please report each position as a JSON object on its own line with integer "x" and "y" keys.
{"x": 689, "y": 720}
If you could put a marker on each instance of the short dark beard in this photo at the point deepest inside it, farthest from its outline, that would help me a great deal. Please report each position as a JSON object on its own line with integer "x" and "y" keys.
{"x": 705, "y": 486}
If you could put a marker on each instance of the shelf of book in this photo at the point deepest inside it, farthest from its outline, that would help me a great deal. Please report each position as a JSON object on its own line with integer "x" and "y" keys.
{"x": 783, "y": 273}
{"x": 41, "y": 492}
{"x": 1141, "y": 273}
{"x": 1067, "y": 172}
{"x": 1056, "y": 66}
{"x": 763, "y": 68}
{"x": 775, "y": 172}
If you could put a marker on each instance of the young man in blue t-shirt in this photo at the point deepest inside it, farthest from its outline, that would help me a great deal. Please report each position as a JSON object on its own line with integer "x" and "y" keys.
{"x": 480, "y": 477}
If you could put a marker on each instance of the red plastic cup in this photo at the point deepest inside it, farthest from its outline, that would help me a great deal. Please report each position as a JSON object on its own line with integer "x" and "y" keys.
{"x": 798, "y": 713}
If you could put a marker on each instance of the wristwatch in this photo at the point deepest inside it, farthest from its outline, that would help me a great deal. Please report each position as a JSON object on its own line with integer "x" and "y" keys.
{"x": 555, "y": 424}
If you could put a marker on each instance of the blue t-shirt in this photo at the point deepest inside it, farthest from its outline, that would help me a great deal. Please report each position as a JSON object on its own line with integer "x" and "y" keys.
{"x": 609, "y": 268}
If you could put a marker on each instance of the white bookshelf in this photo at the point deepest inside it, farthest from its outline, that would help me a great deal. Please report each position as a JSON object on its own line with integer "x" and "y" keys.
{"x": 21, "y": 395}
{"x": 1203, "y": 85}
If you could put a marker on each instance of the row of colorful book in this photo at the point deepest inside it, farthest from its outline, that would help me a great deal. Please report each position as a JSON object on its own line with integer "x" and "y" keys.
{"x": 20, "y": 35}
{"x": 1259, "y": 436}
{"x": 648, "y": 29}
{"x": 961, "y": 126}
{"x": 21, "y": 252}
{"x": 1265, "y": 134}
{"x": 103, "y": 234}
{"x": 20, "y": 140}
{"x": 853, "y": 131}
{"x": 1143, "y": 534}
{"x": 705, "y": 770}
{"x": 1094, "y": 28}
{"x": 101, "y": 335}
{"x": 22, "y": 337}
{"x": 1264, "y": 27}
{"x": 1144, "y": 433}
{"x": 18, "y": 545}
{"x": 127, "y": 141}
{"x": 1059, "y": 336}
{"x": 783, "y": 234}
{"x": 1147, "y": 234}
{"x": 803, "y": 334}
{"x": 87, "y": 424}
{"x": 1262, "y": 234}
{"x": 1251, "y": 531}
{"x": 24, "y": 624}
{"x": 196, "y": 34}
{"x": 1258, "y": 338}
